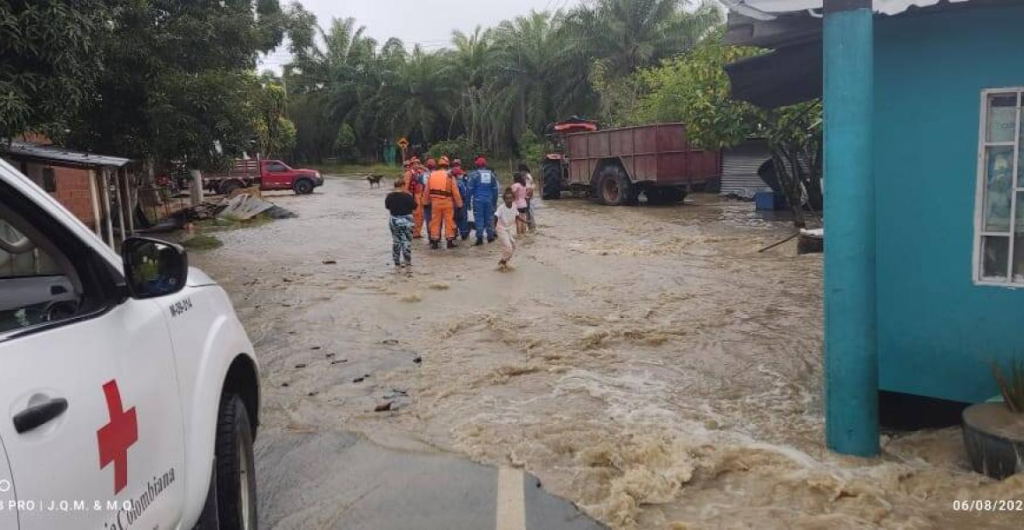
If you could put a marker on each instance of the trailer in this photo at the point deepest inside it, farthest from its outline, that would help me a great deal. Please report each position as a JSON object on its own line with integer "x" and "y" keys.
{"x": 617, "y": 166}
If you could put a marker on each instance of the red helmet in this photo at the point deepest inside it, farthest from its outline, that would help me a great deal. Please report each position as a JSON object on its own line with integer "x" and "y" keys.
{"x": 431, "y": 164}
{"x": 481, "y": 161}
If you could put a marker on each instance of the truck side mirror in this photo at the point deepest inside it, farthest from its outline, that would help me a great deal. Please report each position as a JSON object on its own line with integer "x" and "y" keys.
{"x": 153, "y": 268}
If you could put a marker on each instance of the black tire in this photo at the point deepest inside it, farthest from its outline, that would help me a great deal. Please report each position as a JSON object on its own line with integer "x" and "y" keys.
{"x": 552, "y": 184}
{"x": 236, "y": 472}
{"x": 228, "y": 187}
{"x": 303, "y": 187}
{"x": 662, "y": 196}
{"x": 613, "y": 187}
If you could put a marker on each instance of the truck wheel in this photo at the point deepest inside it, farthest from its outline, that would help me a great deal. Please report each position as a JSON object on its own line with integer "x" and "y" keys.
{"x": 303, "y": 187}
{"x": 613, "y": 186}
{"x": 655, "y": 196}
{"x": 236, "y": 473}
{"x": 552, "y": 175}
{"x": 229, "y": 187}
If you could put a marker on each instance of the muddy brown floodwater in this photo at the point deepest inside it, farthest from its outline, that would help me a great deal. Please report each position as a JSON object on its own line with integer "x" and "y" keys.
{"x": 647, "y": 363}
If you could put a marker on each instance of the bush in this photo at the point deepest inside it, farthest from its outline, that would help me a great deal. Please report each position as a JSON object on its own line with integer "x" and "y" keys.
{"x": 531, "y": 148}
{"x": 462, "y": 148}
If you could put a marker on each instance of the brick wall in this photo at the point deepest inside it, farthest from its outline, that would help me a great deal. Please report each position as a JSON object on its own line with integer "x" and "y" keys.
{"x": 74, "y": 193}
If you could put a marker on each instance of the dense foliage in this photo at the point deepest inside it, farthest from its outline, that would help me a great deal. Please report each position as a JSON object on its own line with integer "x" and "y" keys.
{"x": 169, "y": 80}
{"x": 493, "y": 89}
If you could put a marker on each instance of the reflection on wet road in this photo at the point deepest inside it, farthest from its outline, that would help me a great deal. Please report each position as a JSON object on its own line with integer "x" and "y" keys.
{"x": 646, "y": 363}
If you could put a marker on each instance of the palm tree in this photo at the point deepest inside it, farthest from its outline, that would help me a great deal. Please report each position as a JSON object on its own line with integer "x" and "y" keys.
{"x": 630, "y": 34}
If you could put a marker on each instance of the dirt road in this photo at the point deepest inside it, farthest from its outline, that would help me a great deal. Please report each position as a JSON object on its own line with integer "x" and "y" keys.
{"x": 646, "y": 363}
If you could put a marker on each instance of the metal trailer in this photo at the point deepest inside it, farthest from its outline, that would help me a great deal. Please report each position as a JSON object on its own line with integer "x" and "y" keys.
{"x": 616, "y": 166}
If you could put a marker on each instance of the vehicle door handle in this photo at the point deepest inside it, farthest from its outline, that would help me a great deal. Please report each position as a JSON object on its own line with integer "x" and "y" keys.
{"x": 37, "y": 415}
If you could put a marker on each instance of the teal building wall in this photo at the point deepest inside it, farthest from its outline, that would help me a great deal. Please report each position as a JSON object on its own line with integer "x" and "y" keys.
{"x": 938, "y": 332}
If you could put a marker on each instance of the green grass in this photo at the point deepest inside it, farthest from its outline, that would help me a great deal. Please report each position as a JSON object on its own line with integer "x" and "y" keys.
{"x": 202, "y": 242}
{"x": 358, "y": 170}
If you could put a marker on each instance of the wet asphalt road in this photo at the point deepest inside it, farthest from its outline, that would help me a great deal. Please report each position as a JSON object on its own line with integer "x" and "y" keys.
{"x": 340, "y": 480}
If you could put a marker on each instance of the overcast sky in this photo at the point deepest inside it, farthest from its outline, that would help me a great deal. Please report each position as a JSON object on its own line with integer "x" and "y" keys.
{"x": 426, "y": 22}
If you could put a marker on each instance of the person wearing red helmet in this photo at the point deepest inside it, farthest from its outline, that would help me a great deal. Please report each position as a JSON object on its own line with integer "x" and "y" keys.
{"x": 443, "y": 197}
{"x": 483, "y": 193}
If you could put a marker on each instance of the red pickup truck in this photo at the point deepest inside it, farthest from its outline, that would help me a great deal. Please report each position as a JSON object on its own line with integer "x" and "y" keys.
{"x": 269, "y": 175}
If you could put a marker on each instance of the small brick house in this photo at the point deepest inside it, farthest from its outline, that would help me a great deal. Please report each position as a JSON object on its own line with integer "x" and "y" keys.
{"x": 87, "y": 184}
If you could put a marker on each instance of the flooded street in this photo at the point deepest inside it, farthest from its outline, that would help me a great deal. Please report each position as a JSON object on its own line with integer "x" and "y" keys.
{"x": 646, "y": 363}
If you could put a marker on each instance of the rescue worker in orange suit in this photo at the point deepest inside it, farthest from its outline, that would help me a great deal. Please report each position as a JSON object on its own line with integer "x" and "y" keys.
{"x": 416, "y": 188}
{"x": 443, "y": 197}
{"x": 462, "y": 214}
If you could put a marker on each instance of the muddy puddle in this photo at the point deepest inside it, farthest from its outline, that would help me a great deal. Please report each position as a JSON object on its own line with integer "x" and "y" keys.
{"x": 647, "y": 363}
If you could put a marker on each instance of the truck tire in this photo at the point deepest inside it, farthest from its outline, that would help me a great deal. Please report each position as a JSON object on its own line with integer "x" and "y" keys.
{"x": 236, "y": 472}
{"x": 228, "y": 187}
{"x": 303, "y": 187}
{"x": 661, "y": 196}
{"x": 552, "y": 185}
{"x": 613, "y": 187}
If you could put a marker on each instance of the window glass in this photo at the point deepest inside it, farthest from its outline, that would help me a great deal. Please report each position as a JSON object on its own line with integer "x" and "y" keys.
{"x": 1002, "y": 118}
{"x": 33, "y": 287}
{"x": 995, "y": 251}
{"x": 998, "y": 188}
{"x": 275, "y": 168}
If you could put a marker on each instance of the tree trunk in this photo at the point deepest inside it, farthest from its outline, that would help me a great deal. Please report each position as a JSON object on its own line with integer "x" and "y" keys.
{"x": 197, "y": 186}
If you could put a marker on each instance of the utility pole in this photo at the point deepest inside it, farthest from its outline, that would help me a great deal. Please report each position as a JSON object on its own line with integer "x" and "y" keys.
{"x": 851, "y": 349}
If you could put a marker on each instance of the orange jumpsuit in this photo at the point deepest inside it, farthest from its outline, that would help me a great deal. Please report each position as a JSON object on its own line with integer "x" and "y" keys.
{"x": 443, "y": 197}
{"x": 414, "y": 187}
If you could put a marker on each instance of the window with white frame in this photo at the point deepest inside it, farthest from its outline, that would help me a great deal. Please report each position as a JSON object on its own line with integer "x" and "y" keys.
{"x": 999, "y": 240}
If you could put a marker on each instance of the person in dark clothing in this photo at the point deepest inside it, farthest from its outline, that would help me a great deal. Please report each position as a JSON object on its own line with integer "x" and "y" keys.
{"x": 401, "y": 204}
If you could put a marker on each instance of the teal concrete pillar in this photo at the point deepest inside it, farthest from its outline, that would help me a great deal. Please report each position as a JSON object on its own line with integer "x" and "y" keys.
{"x": 851, "y": 352}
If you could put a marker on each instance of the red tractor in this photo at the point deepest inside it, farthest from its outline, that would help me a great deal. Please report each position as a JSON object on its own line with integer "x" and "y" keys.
{"x": 617, "y": 166}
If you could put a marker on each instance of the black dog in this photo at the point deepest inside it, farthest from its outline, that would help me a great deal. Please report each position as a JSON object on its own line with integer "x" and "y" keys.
{"x": 374, "y": 180}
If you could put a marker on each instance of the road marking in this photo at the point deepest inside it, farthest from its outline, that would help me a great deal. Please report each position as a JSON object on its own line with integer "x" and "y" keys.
{"x": 511, "y": 512}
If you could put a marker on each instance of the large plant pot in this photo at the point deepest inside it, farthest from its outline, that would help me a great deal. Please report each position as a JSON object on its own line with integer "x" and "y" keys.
{"x": 994, "y": 438}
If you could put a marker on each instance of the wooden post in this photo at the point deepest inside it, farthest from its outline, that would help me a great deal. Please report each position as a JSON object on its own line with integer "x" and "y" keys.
{"x": 120, "y": 204}
{"x": 105, "y": 194}
{"x": 129, "y": 205}
{"x": 94, "y": 195}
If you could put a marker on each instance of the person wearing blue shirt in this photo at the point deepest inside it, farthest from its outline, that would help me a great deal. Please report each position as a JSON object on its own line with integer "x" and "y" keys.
{"x": 483, "y": 195}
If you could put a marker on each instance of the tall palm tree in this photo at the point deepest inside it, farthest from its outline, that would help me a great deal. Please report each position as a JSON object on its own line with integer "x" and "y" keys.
{"x": 631, "y": 34}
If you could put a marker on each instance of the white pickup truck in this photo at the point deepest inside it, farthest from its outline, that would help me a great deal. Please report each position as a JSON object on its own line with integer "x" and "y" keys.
{"x": 128, "y": 387}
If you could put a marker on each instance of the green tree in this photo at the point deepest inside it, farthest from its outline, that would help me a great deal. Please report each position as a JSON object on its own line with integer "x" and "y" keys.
{"x": 694, "y": 89}
{"x": 345, "y": 144}
{"x": 48, "y": 62}
{"x": 176, "y": 81}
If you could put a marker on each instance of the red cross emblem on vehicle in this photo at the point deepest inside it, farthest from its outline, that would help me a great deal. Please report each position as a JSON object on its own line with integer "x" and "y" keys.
{"x": 116, "y": 437}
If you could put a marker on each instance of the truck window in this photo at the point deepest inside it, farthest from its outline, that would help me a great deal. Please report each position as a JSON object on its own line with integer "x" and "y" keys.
{"x": 34, "y": 287}
{"x": 276, "y": 168}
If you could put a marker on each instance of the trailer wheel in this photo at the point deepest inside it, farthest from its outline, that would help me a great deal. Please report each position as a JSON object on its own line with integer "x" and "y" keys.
{"x": 661, "y": 196}
{"x": 613, "y": 186}
{"x": 551, "y": 172}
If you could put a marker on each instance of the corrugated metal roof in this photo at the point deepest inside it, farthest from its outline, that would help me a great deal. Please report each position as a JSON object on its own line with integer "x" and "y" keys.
{"x": 765, "y": 9}
{"x": 59, "y": 154}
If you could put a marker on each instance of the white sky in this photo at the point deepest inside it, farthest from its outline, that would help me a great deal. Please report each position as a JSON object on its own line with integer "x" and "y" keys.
{"x": 425, "y": 22}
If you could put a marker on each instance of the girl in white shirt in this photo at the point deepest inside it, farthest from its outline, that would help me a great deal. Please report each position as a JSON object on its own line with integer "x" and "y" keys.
{"x": 506, "y": 217}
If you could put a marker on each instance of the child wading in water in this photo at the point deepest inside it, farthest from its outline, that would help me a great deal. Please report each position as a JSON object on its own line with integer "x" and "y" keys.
{"x": 401, "y": 205}
{"x": 506, "y": 218}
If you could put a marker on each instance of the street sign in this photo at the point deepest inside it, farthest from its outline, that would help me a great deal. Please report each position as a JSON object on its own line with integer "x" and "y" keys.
{"x": 403, "y": 143}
